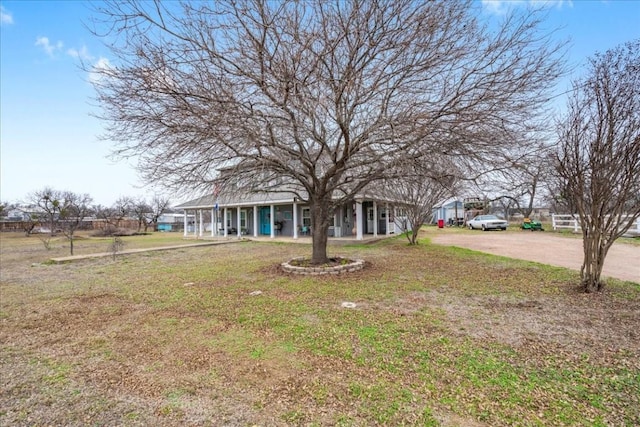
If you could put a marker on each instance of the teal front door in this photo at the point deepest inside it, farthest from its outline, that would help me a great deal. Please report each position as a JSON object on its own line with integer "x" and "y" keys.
{"x": 265, "y": 220}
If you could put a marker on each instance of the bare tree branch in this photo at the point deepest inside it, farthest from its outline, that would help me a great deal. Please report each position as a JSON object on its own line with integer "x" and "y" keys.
{"x": 322, "y": 97}
{"x": 598, "y": 163}
{"x": 75, "y": 208}
{"x": 418, "y": 192}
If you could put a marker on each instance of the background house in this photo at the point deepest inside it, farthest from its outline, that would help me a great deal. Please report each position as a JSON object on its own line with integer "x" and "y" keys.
{"x": 448, "y": 210}
{"x": 175, "y": 222}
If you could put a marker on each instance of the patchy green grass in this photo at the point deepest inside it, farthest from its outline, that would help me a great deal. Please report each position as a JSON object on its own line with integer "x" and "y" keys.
{"x": 439, "y": 336}
{"x": 17, "y": 247}
{"x": 630, "y": 240}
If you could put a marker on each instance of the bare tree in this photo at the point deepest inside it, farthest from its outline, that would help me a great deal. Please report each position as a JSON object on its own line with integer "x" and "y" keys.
{"x": 106, "y": 214}
{"x": 522, "y": 181}
{"x": 598, "y": 161}
{"x": 322, "y": 98}
{"x": 421, "y": 190}
{"x": 159, "y": 204}
{"x": 48, "y": 203}
{"x": 140, "y": 210}
{"x": 113, "y": 215}
{"x": 147, "y": 213}
{"x": 4, "y": 209}
{"x": 557, "y": 198}
{"x": 121, "y": 209}
{"x": 28, "y": 219}
{"x": 74, "y": 209}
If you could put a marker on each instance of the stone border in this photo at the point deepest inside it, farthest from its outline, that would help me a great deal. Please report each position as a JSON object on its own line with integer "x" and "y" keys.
{"x": 355, "y": 265}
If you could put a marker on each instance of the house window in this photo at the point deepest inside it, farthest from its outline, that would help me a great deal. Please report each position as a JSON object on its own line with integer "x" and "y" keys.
{"x": 383, "y": 213}
{"x": 229, "y": 217}
{"x": 306, "y": 217}
{"x": 243, "y": 219}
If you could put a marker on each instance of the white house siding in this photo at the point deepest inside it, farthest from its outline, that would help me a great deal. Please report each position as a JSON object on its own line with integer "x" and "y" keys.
{"x": 259, "y": 208}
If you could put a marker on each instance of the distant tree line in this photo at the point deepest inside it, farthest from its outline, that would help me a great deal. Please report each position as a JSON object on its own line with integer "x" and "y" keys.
{"x": 48, "y": 213}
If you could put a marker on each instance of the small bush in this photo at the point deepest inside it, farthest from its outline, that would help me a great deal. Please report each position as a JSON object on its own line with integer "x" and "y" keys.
{"x": 114, "y": 231}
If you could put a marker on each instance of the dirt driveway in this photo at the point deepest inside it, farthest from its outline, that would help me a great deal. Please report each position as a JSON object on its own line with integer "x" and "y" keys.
{"x": 623, "y": 260}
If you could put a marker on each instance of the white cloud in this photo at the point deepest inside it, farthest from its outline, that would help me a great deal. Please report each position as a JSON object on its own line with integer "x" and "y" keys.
{"x": 6, "y": 18}
{"x": 82, "y": 53}
{"x": 49, "y": 48}
{"x": 500, "y": 7}
{"x": 496, "y": 7}
{"x": 100, "y": 70}
{"x": 558, "y": 4}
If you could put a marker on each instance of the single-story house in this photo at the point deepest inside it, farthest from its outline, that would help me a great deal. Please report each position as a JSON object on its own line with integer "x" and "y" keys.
{"x": 282, "y": 214}
{"x": 24, "y": 213}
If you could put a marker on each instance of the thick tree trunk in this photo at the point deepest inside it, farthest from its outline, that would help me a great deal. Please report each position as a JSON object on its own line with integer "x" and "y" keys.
{"x": 319, "y": 232}
{"x": 413, "y": 235}
{"x": 319, "y": 236}
{"x": 595, "y": 252}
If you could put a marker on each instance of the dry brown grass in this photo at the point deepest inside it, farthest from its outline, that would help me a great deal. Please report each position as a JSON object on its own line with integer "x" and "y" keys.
{"x": 439, "y": 336}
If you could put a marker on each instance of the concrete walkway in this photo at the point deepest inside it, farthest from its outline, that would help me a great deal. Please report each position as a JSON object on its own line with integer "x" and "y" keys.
{"x": 71, "y": 258}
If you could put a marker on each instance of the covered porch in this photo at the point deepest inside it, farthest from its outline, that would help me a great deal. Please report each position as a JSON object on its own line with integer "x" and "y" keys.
{"x": 286, "y": 218}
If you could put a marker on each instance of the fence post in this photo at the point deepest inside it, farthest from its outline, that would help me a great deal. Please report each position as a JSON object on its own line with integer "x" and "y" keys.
{"x": 575, "y": 224}
{"x": 553, "y": 221}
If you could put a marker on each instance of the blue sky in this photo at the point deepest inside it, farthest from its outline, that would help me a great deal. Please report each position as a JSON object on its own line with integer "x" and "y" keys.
{"x": 48, "y": 138}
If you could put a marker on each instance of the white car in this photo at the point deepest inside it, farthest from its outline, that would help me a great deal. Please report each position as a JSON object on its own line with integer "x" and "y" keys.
{"x": 487, "y": 222}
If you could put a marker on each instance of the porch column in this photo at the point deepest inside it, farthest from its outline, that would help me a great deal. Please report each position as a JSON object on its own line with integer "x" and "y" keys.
{"x": 271, "y": 220}
{"x": 213, "y": 223}
{"x": 238, "y": 222}
{"x": 386, "y": 210}
{"x": 195, "y": 224}
{"x": 359, "y": 220}
{"x": 224, "y": 223}
{"x": 295, "y": 220}
{"x": 184, "y": 234}
{"x": 395, "y": 215}
{"x": 375, "y": 219}
{"x": 201, "y": 231}
{"x": 255, "y": 221}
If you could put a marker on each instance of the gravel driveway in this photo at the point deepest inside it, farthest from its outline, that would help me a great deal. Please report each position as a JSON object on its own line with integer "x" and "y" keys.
{"x": 622, "y": 262}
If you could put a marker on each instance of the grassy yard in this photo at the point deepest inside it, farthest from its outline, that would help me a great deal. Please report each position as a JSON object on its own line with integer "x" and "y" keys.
{"x": 439, "y": 336}
{"x": 15, "y": 246}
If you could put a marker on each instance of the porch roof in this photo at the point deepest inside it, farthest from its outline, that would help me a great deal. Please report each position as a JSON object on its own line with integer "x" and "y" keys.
{"x": 448, "y": 203}
{"x": 239, "y": 199}
{"x": 257, "y": 198}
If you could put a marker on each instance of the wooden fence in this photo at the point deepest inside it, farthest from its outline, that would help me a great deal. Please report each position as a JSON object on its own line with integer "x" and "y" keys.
{"x": 88, "y": 224}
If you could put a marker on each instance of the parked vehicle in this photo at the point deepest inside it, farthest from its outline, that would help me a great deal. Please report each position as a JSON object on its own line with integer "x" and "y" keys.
{"x": 487, "y": 222}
